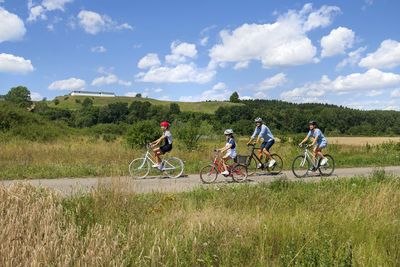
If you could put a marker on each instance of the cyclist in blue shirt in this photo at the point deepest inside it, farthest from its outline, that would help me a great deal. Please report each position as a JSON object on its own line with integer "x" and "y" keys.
{"x": 319, "y": 141}
{"x": 230, "y": 148}
{"x": 262, "y": 131}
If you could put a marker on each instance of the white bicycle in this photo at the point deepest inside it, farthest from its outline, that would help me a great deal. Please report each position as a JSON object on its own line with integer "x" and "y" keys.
{"x": 139, "y": 168}
{"x": 304, "y": 163}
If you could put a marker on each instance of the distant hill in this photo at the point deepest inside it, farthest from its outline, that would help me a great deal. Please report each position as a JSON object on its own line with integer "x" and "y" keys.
{"x": 74, "y": 103}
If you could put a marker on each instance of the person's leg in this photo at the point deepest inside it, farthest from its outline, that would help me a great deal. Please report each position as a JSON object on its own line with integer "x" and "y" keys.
{"x": 224, "y": 160}
{"x": 267, "y": 147}
{"x": 157, "y": 153}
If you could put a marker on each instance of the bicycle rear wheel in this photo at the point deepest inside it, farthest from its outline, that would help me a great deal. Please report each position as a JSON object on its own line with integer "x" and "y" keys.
{"x": 328, "y": 168}
{"x": 277, "y": 167}
{"x": 173, "y": 167}
{"x": 208, "y": 174}
{"x": 300, "y": 166}
{"x": 139, "y": 168}
{"x": 239, "y": 173}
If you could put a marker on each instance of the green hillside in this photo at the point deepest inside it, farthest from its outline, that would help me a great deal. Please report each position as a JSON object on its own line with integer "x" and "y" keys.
{"x": 74, "y": 103}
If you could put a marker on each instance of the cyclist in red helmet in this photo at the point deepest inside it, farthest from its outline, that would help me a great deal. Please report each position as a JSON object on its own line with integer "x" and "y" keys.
{"x": 166, "y": 147}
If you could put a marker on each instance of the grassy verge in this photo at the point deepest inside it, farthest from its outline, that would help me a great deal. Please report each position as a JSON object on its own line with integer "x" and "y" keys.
{"x": 331, "y": 223}
{"x": 80, "y": 157}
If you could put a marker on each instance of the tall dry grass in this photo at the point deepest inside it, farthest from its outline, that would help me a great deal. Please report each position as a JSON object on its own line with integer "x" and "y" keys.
{"x": 81, "y": 157}
{"x": 332, "y": 223}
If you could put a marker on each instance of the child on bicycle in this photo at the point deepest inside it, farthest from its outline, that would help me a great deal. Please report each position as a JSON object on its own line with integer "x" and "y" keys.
{"x": 319, "y": 142}
{"x": 268, "y": 140}
{"x": 229, "y": 148}
{"x": 166, "y": 147}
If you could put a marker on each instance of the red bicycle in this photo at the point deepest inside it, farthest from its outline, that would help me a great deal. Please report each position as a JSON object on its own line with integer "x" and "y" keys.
{"x": 209, "y": 173}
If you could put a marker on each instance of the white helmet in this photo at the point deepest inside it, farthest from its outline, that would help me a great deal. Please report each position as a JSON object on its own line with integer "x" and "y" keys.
{"x": 228, "y": 131}
{"x": 258, "y": 119}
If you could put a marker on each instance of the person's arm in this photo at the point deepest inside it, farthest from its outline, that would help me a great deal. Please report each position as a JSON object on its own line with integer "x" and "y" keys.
{"x": 305, "y": 139}
{"x": 225, "y": 148}
{"x": 156, "y": 142}
{"x": 252, "y": 136}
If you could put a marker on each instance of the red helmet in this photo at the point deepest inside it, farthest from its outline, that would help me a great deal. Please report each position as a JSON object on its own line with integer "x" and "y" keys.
{"x": 164, "y": 124}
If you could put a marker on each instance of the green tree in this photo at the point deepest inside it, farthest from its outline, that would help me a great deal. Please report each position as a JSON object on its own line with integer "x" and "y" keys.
{"x": 20, "y": 96}
{"x": 191, "y": 132}
{"x": 87, "y": 102}
{"x": 138, "y": 95}
{"x": 174, "y": 108}
{"x": 234, "y": 98}
{"x": 142, "y": 132}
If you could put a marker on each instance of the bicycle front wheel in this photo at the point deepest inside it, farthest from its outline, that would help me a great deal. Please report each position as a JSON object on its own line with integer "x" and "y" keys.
{"x": 252, "y": 167}
{"x": 329, "y": 167}
{"x": 173, "y": 167}
{"x": 277, "y": 167}
{"x": 239, "y": 173}
{"x": 208, "y": 174}
{"x": 300, "y": 166}
{"x": 139, "y": 168}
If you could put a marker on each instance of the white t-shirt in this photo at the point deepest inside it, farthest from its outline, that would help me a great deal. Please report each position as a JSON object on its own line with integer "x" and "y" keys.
{"x": 168, "y": 137}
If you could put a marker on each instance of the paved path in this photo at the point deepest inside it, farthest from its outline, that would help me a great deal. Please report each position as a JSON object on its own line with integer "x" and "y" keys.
{"x": 68, "y": 186}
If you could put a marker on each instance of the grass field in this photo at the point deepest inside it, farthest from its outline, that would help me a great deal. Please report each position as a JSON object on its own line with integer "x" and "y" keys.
{"x": 349, "y": 222}
{"x": 69, "y": 102}
{"x": 362, "y": 141}
{"x": 82, "y": 157}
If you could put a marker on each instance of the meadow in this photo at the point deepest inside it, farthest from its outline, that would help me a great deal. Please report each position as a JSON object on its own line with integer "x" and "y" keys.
{"x": 89, "y": 156}
{"x": 347, "y": 222}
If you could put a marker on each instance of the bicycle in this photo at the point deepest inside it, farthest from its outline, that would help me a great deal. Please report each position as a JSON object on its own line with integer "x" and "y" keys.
{"x": 303, "y": 164}
{"x": 255, "y": 164}
{"x": 139, "y": 168}
{"x": 209, "y": 173}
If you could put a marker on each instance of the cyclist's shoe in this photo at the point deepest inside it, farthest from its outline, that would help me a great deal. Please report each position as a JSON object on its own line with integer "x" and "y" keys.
{"x": 161, "y": 166}
{"x": 271, "y": 163}
{"x": 312, "y": 169}
{"x": 259, "y": 166}
{"x": 324, "y": 161}
{"x": 225, "y": 173}
{"x": 156, "y": 165}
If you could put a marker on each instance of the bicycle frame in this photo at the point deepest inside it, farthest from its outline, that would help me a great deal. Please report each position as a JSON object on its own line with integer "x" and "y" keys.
{"x": 147, "y": 157}
{"x": 309, "y": 156}
{"x": 254, "y": 155}
{"x": 217, "y": 162}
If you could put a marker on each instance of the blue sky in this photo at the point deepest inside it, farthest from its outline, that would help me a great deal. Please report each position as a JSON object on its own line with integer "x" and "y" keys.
{"x": 340, "y": 52}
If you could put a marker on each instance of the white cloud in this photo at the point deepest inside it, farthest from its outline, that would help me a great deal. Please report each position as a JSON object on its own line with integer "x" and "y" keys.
{"x": 372, "y": 80}
{"x": 98, "y": 49}
{"x": 213, "y": 94}
{"x": 219, "y": 86}
{"x": 395, "y": 93}
{"x": 373, "y": 105}
{"x": 283, "y": 43}
{"x": 177, "y": 74}
{"x": 40, "y": 10}
{"x": 158, "y": 90}
{"x": 272, "y": 82}
{"x": 12, "y": 28}
{"x": 131, "y": 94}
{"x": 373, "y": 93}
{"x": 149, "y": 60}
{"x": 35, "y": 96}
{"x": 180, "y": 52}
{"x": 337, "y": 42}
{"x": 241, "y": 65}
{"x": 109, "y": 79}
{"x": 204, "y": 41}
{"x": 322, "y": 17}
{"x": 260, "y": 95}
{"x": 93, "y": 22}
{"x": 69, "y": 84}
{"x": 352, "y": 59}
{"x": 387, "y": 56}
{"x": 14, "y": 64}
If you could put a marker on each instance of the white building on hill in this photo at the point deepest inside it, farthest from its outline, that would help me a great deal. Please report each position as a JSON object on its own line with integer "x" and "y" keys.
{"x": 87, "y": 93}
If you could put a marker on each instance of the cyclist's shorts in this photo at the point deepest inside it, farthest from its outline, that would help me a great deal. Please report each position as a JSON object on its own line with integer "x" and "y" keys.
{"x": 165, "y": 148}
{"x": 230, "y": 153}
{"x": 322, "y": 145}
{"x": 267, "y": 145}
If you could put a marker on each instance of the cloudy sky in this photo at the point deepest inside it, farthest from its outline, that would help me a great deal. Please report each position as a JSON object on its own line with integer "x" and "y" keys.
{"x": 339, "y": 52}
